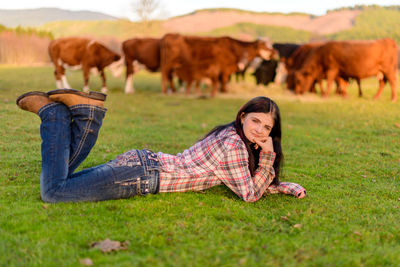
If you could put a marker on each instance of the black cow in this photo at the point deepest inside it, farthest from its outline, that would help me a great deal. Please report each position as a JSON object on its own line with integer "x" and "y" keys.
{"x": 265, "y": 73}
{"x": 285, "y": 50}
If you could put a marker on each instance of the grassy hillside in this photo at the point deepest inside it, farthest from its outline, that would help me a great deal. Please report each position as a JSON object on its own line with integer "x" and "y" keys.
{"x": 277, "y": 34}
{"x": 39, "y": 16}
{"x": 251, "y": 12}
{"x": 373, "y": 23}
{"x": 120, "y": 29}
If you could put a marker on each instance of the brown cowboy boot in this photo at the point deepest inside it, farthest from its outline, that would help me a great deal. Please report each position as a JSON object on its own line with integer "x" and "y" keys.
{"x": 33, "y": 101}
{"x": 72, "y": 97}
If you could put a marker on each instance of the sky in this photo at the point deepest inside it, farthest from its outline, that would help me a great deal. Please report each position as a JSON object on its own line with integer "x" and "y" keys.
{"x": 170, "y": 8}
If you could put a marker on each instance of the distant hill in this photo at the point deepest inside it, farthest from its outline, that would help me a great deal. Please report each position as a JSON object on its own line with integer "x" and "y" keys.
{"x": 349, "y": 23}
{"x": 37, "y": 17}
{"x": 208, "y": 20}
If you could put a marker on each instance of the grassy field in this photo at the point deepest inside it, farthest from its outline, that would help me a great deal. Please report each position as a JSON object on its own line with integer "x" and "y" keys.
{"x": 346, "y": 153}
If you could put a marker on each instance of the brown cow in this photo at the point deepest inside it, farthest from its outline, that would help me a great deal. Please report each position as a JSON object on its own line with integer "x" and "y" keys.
{"x": 197, "y": 71}
{"x": 352, "y": 59}
{"x": 295, "y": 62}
{"x": 185, "y": 54}
{"x": 146, "y": 51}
{"x": 82, "y": 53}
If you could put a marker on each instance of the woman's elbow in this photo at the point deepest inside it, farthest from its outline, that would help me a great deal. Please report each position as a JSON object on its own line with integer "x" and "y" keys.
{"x": 250, "y": 199}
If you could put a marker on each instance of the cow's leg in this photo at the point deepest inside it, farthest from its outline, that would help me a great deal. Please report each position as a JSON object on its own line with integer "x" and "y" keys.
{"x": 198, "y": 91}
{"x": 392, "y": 79}
{"x": 181, "y": 85}
{"x": 341, "y": 86}
{"x": 103, "y": 79}
{"x": 338, "y": 86}
{"x": 57, "y": 75}
{"x": 359, "y": 87}
{"x": 214, "y": 87}
{"x": 224, "y": 78}
{"x": 393, "y": 85}
{"x": 382, "y": 81}
{"x": 61, "y": 79}
{"x": 313, "y": 90}
{"x": 321, "y": 86}
{"x": 171, "y": 82}
{"x": 165, "y": 74}
{"x": 129, "y": 89}
{"x": 65, "y": 82}
{"x": 164, "y": 82}
{"x": 188, "y": 86}
{"x": 330, "y": 77}
{"x": 86, "y": 71}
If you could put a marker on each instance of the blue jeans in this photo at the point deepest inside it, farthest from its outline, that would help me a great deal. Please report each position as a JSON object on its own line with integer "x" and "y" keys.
{"x": 68, "y": 135}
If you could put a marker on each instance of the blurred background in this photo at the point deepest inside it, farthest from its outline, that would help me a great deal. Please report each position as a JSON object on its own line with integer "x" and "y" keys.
{"x": 29, "y": 26}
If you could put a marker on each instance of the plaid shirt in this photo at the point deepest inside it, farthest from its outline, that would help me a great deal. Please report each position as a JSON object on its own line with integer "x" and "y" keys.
{"x": 286, "y": 188}
{"x": 219, "y": 158}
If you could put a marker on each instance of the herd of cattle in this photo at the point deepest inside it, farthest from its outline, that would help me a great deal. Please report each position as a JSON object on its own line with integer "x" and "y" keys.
{"x": 192, "y": 59}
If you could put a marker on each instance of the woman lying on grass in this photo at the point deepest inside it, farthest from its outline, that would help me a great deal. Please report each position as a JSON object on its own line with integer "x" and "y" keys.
{"x": 245, "y": 155}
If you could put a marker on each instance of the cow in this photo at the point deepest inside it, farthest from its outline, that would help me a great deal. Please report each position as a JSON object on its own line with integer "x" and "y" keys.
{"x": 185, "y": 54}
{"x": 197, "y": 71}
{"x": 145, "y": 51}
{"x": 285, "y": 50}
{"x": 76, "y": 53}
{"x": 254, "y": 64}
{"x": 265, "y": 73}
{"x": 295, "y": 62}
{"x": 273, "y": 70}
{"x": 351, "y": 59}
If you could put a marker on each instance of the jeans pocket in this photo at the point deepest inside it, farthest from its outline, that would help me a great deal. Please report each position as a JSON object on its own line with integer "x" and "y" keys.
{"x": 129, "y": 159}
{"x": 133, "y": 186}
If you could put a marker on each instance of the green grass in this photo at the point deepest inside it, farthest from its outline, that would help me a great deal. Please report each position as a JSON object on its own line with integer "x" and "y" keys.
{"x": 373, "y": 23}
{"x": 121, "y": 29}
{"x": 276, "y": 33}
{"x": 346, "y": 153}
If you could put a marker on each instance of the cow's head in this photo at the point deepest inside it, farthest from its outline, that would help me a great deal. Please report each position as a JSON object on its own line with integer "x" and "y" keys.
{"x": 290, "y": 80}
{"x": 265, "y": 49}
{"x": 303, "y": 81}
{"x": 116, "y": 67}
{"x": 243, "y": 62}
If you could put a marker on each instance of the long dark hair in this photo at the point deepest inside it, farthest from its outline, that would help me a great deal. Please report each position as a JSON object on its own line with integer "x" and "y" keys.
{"x": 258, "y": 104}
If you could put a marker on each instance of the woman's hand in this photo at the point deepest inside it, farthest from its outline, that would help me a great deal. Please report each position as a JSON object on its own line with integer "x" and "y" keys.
{"x": 265, "y": 144}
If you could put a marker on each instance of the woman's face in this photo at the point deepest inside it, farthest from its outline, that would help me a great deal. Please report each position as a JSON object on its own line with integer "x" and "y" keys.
{"x": 257, "y": 125}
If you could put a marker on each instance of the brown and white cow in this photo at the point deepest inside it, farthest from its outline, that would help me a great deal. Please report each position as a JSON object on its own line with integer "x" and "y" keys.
{"x": 285, "y": 50}
{"x": 351, "y": 59}
{"x": 193, "y": 57}
{"x": 145, "y": 51}
{"x": 85, "y": 54}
